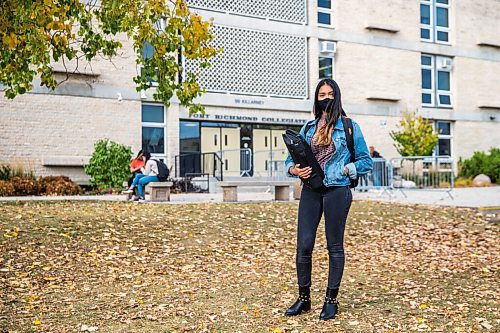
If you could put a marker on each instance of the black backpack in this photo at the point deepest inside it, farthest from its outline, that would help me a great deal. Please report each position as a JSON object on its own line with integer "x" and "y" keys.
{"x": 348, "y": 130}
{"x": 163, "y": 171}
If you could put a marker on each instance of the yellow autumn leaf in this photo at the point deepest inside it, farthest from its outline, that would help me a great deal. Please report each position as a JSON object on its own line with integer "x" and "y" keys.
{"x": 10, "y": 40}
{"x": 37, "y": 322}
{"x": 423, "y": 306}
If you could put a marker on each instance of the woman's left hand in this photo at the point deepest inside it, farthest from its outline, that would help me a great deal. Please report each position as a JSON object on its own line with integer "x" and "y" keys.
{"x": 346, "y": 171}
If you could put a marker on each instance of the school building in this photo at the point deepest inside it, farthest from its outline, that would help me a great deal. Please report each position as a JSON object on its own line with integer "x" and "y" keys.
{"x": 438, "y": 57}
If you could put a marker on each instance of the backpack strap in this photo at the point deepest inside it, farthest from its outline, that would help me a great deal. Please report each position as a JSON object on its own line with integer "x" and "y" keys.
{"x": 309, "y": 124}
{"x": 348, "y": 129}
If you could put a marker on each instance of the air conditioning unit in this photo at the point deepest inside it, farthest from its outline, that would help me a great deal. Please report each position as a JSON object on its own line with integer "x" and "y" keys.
{"x": 444, "y": 63}
{"x": 328, "y": 47}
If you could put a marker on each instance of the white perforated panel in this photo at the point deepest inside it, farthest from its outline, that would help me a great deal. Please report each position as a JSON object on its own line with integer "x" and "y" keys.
{"x": 256, "y": 63}
{"x": 288, "y": 11}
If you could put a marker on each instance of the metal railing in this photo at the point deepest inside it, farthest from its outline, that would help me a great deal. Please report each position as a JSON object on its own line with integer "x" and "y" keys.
{"x": 270, "y": 163}
{"x": 423, "y": 172}
{"x": 199, "y": 163}
{"x": 410, "y": 172}
{"x": 238, "y": 162}
{"x": 380, "y": 178}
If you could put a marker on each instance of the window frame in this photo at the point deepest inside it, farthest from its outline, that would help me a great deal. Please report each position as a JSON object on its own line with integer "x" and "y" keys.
{"x": 437, "y": 28}
{"x": 161, "y": 125}
{"x": 325, "y": 10}
{"x": 327, "y": 55}
{"x": 443, "y": 137}
{"x": 435, "y": 92}
{"x": 433, "y": 28}
{"x": 432, "y": 90}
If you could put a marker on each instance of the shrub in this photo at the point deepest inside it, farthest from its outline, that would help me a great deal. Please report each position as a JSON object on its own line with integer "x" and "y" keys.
{"x": 6, "y": 188}
{"x": 16, "y": 168}
{"x": 25, "y": 186}
{"x": 463, "y": 182}
{"x": 415, "y": 135}
{"x": 5, "y": 171}
{"x": 481, "y": 163}
{"x": 109, "y": 165}
{"x": 58, "y": 185}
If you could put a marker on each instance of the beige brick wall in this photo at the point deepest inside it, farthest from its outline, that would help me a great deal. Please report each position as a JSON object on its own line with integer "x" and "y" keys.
{"x": 471, "y": 136}
{"x": 364, "y": 70}
{"x": 474, "y": 21}
{"x": 475, "y": 82}
{"x": 172, "y": 132}
{"x": 35, "y": 127}
{"x": 377, "y": 135}
{"x": 118, "y": 72}
{"x": 354, "y": 15}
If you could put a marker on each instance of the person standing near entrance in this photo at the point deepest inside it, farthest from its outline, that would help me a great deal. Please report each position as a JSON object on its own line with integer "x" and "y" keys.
{"x": 327, "y": 139}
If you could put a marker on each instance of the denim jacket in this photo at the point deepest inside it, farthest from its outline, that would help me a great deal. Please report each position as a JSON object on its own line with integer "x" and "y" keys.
{"x": 334, "y": 167}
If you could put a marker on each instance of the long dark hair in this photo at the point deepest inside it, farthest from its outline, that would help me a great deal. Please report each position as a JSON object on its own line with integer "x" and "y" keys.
{"x": 147, "y": 155}
{"x": 139, "y": 154}
{"x": 334, "y": 111}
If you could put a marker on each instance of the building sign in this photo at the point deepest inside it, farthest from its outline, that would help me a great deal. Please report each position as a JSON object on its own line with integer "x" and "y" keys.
{"x": 249, "y": 101}
{"x": 248, "y": 119}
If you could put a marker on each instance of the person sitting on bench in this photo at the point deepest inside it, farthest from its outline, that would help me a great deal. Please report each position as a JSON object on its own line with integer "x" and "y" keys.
{"x": 149, "y": 174}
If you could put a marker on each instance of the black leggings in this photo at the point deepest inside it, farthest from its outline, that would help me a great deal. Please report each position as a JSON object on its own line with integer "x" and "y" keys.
{"x": 335, "y": 203}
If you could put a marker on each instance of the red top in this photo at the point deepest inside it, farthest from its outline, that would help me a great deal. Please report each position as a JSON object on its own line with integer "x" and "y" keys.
{"x": 137, "y": 164}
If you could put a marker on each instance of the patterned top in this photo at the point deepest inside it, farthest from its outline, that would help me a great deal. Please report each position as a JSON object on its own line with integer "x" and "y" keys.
{"x": 322, "y": 152}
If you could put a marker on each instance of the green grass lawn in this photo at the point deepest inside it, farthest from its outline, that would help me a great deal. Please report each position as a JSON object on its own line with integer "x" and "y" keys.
{"x": 231, "y": 268}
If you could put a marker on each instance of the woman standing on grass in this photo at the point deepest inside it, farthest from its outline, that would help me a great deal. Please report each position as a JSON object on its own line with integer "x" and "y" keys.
{"x": 327, "y": 139}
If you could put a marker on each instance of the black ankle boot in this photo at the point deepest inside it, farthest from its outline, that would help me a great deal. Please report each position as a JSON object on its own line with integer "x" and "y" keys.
{"x": 331, "y": 305}
{"x": 302, "y": 304}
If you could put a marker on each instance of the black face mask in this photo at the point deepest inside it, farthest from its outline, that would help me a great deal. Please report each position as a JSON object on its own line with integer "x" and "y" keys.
{"x": 324, "y": 103}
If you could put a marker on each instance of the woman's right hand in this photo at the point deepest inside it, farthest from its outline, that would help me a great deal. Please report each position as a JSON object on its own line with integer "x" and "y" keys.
{"x": 303, "y": 173}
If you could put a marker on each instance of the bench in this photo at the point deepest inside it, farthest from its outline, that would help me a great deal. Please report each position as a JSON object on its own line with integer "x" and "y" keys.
{"x": 158, "y": 191}
{"x": 493, "y": 210}
{"x": 230, "y": 189}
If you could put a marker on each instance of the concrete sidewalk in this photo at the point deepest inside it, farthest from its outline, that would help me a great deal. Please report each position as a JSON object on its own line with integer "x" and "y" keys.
{"x": 473, "y": 197}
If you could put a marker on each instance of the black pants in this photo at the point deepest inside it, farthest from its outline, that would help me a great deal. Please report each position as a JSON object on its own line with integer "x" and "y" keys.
{"x": 335, "y": 203}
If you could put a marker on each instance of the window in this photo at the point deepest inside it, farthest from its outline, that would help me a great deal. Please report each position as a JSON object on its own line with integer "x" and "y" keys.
{"x": 153, "y": 128}
{"x": 435, "y": 21}
{"x": 190, "y": 138}
{"x": 325, "y": 13}
{"x": 147, "y": 53}
{"x": 326, "y": 59}
{"x": 436, "y": 80}
{"x": 443, "y": 147}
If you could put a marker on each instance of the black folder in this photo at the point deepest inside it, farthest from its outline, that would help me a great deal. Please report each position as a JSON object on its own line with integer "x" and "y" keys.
{"x": 301, "y": 153}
